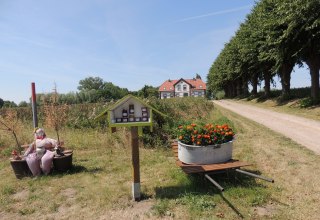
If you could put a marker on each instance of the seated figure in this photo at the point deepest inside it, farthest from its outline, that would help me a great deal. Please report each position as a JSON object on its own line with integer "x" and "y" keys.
{"x": 39, "y": 155}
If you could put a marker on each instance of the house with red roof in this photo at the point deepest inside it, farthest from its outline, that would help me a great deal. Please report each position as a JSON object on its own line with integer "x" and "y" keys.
{"x": 182, "y": 87}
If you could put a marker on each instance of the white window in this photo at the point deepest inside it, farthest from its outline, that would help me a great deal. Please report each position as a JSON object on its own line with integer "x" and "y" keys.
{"x": 179, "y": 87}
{"x": 184, "y": 87}
{"x": 164, "y": 88}
{"x": 200, "y": 86}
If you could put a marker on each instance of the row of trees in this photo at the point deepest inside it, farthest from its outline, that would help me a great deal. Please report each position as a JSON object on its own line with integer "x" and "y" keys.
{"x": 91, "y": 90}
{"x": 276, "y": 36}
{"x": 11, "y": 104}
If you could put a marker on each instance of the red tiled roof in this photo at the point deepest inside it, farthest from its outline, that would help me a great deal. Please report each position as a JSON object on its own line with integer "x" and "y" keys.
{"x": 169, "y": 84}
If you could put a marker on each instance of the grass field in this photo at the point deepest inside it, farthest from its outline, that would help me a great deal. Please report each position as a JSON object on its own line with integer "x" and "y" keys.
{"x": 99, "y": 185}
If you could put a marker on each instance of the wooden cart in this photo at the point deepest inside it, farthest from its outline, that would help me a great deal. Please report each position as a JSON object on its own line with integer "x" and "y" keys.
{"x": 210, "y": 169}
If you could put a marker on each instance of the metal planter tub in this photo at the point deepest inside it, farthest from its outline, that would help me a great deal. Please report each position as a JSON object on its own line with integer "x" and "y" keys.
{"x": 20, "y": 168}
{"x": 193, "y": 154}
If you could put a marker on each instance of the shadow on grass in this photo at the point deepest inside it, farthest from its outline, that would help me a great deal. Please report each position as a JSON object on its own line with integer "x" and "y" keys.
{"x": 231, "y": 205}
{"x": 75, "y": 169}
{"x": 199, "y": 185}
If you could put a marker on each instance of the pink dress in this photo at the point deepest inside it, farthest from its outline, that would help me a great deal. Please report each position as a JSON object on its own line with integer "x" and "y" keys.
{"x": 40, "y": 159}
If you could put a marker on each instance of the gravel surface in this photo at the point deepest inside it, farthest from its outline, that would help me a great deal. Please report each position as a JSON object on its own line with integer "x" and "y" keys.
{"x": 302, "y": 130}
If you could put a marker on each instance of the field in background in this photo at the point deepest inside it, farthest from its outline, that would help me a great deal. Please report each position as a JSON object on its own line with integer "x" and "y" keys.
{"x": 99, "y": 185}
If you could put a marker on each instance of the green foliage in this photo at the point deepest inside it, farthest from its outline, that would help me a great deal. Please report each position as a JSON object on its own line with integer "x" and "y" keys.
{"x": 23, "y": 104}
{"x": 148, "y": 91}
{"x": 220, "y": 95}
{"x": 306, "y": 102}
{"x": 9, "y": 104}
{"x": 90, "y": 83}
{"x": 179, "y": 111}
{"x": 275, "y": 36}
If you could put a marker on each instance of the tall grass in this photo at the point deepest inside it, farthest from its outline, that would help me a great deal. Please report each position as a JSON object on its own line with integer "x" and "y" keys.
{"x": 99, "y": 184}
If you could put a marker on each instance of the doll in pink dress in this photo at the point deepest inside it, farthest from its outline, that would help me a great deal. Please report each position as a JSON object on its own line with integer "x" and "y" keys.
{"x": 39, "y": 156}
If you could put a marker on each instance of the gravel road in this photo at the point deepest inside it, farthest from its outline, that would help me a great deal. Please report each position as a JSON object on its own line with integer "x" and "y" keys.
{"x": 303, "y": 131}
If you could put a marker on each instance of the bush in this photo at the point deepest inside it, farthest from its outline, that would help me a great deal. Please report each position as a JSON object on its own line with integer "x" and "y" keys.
{"x": 179, "y": 111}
{"x": 220, "y": 95}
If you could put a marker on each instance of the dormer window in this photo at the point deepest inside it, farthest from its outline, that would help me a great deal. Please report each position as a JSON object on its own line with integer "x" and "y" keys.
{"x": 200, "y": 86}
{"x": 164, "y": 88}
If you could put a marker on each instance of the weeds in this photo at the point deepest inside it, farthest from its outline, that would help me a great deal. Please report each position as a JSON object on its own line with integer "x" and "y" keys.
{"x": 55, "y": 114}
{"x": 11, "y": 124}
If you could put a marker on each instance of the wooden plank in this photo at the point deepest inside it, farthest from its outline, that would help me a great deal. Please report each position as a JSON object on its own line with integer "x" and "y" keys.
{"x": 201, "y": 168}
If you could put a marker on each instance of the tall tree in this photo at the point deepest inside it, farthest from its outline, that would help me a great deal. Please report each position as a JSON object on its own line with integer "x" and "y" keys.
{"x": 303, "y": 36}
{"x": 148, "y": 91}
{"x": 90, "y": 83}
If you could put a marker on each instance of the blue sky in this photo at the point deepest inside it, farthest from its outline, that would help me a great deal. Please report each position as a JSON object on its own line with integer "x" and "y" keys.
{"x": 129, "y": 43}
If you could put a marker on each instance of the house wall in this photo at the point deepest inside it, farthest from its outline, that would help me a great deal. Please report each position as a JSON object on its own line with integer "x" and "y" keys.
{"x": 182, "y": 89}
{"x": 198, "y": 93}
{"x": 166, "y": 95}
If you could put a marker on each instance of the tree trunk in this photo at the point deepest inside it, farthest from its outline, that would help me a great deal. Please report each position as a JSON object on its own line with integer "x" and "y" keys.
{"x": 234, "y": 89}
{"x": 226, "y": 91}
{"x": 245, "y": 88}
{"x": 314, "y": 66}
{"x": 239, "y": 87}
{"x": 267, "y": 78}
{"x": 285, "y": 75}
{"x": 254, "y": 84}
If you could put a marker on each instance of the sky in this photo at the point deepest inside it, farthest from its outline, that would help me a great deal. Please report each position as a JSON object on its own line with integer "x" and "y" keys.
{"x": 129, "y": 43}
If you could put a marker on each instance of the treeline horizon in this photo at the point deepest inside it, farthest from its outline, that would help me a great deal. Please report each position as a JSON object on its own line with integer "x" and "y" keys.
{"x": 90, "y": 90}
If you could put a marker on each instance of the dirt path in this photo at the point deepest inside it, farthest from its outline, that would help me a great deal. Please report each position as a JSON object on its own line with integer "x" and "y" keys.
{"x": 303, "y": 131}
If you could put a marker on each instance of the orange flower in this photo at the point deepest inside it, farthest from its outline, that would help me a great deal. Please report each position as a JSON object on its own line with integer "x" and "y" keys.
{"x": 193, "y": 125}
{"x": 195, "y": 131}
{"x": 180, "y": 137}
{"x": 199, "y": 136}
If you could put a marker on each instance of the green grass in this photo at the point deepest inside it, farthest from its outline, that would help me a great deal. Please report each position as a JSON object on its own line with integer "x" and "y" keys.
{"x": 99, "y": 185}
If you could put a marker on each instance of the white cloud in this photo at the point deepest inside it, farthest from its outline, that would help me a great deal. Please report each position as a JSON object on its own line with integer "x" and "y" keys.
{"x": 214, "y": 13}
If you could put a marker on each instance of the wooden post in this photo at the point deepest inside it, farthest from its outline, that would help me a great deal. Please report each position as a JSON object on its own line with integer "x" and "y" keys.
{"x": 34, "y": 105}
{"x": 135, "y": 163}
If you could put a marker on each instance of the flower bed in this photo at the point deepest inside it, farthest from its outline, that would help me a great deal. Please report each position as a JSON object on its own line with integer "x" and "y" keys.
{"x": 205, "y": 144}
